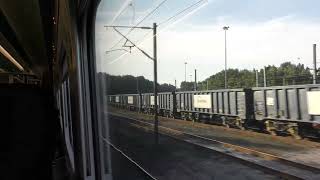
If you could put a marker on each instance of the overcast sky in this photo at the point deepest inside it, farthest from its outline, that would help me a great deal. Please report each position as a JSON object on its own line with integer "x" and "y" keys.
{"x": 262, "y": 32}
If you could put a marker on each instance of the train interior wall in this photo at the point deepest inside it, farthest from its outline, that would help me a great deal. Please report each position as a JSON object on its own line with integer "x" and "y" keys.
{"x": 28, "y": 132}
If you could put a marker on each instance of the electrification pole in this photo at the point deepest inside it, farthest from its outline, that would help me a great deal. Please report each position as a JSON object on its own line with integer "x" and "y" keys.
{"x": 155, "y": 86}
{"x": 314, "y": 64}
{"x": 195, "y": 79}
{"x": 154, "y": 59}
{"x": 225, "y": 28}
{"x": 264, "y": 77}
{"x": 257, "y": 78}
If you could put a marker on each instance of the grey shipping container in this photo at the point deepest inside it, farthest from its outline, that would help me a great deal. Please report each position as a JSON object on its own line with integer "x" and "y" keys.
{"x": 225, "y": 102}
{"x": 166, "y": 103}
{"x": 298, "y": 103}
{"x": 131, "y": 101}
{"x": 114, "y": 100}
{"x": 147, "y": 102}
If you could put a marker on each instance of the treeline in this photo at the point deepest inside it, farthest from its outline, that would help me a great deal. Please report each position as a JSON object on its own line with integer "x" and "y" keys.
{"x": 130, "y": 85}
{"x": 286, "y": 74}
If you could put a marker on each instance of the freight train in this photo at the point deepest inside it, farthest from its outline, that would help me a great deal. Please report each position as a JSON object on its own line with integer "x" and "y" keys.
{"x": 293, "y": 110}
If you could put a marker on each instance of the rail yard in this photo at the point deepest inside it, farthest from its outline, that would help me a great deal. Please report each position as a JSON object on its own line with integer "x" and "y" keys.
{"x": 277, "y": 110}
{"x": 285, "y": 157}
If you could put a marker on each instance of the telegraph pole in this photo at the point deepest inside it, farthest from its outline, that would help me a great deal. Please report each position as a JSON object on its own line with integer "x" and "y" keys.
{"x": 314, "y": 64}
{"x": 155, "y": 86}
{"x": 195, "y": 79}
{"x": 185, "y": 71}
{"x": 137, "y": 85}
{"x": 175, "y": 84}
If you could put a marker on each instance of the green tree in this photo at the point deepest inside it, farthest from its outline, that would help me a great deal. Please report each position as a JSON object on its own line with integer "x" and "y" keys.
{"x": 186, "y": 86}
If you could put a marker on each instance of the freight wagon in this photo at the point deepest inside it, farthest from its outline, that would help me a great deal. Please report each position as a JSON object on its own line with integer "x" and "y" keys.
{"x": 114, "y": 100}
{"x": 289, "y": 109}
{"x": 167, "y": 104}
{"x": 232, "y": 107}
{"x": 147, "y": 100}
{"x": 277, "y": 110}
{"x": 132, "y": 101}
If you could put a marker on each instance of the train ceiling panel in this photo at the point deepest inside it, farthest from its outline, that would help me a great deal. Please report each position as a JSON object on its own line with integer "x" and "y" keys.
{"x": 27, "y": 33}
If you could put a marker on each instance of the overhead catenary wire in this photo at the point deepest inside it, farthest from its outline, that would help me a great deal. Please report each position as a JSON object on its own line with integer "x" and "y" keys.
{"x": 172, "y": 17}
{"x": 143, "y": 19}
{"x": 121, "y": 10}
{"x": 182, "y": 11}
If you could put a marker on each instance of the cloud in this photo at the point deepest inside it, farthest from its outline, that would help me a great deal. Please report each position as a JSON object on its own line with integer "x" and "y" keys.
{"x": 250, "y": 45}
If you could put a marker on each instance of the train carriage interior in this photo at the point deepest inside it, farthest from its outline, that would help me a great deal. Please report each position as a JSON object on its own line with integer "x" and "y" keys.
{"x": 159, "y": 89}
{"x": 40, "y": 44}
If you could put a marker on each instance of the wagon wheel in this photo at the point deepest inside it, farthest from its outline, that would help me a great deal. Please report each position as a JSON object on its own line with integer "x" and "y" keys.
{"x": 294, "y": 132}
{"x": 224, "y": 122}
{"x": 240, "y": 124}
{"x": 197, "y": 117}
{"x": 184, "y": 117}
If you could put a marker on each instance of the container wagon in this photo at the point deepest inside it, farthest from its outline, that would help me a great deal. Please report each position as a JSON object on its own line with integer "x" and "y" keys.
{"x": 131, "y": 102}
{"x": 232, "y": 107}
{"x": 114, "y": 100}
{"x": 167, "y": 104}
{"x": 148, "y": 103}
{"x": 290, "y": 109}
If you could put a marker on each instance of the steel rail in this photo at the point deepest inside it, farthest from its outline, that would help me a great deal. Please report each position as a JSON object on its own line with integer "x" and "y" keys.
{"x": 130, "y": 159}
{"x": 265, "y": 156}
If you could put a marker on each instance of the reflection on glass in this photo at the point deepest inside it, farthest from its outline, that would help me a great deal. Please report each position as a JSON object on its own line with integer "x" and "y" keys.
{"x": 217, "y": 63}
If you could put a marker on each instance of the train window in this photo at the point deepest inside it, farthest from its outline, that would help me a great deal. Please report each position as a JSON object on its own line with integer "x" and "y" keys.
{"x": 175, "y": 75}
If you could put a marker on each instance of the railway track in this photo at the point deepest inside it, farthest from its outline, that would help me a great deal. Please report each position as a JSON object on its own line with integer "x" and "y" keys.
{"x": 264, "y": 161}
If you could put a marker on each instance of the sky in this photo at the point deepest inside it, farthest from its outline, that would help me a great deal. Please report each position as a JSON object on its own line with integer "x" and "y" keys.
{"x": 262, "y": 32}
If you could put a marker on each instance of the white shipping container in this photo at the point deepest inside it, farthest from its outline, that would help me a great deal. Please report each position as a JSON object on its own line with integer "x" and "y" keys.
{"x": 202, "y": 101}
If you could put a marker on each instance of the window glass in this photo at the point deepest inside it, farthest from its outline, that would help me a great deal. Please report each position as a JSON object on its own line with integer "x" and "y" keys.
{"x": 231, "y": 52}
